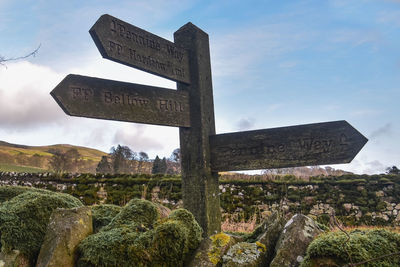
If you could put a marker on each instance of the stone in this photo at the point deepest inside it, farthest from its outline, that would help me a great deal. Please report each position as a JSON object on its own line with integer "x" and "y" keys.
{"x": 66, "y": 229}
{"x": 297, "y": 234}
{"x": 272, "y": 230}
{"x": 14, "y": 258}
{"x": 245, "y": 255}
{"x": 347, "y": 206}
{"x": 211, "y": 250}
{"x": 380, "y": 193}
{"x": 309, "y": 200}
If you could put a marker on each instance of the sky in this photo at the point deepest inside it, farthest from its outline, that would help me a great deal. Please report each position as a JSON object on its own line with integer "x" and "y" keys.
{"x": 274, "y": 64}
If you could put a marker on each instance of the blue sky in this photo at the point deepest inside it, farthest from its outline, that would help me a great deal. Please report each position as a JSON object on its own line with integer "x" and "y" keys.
{"x": 274, "y": 63}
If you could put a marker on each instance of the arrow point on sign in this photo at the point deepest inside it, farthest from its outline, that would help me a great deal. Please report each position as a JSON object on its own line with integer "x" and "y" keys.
{"x": 57, "y": 91}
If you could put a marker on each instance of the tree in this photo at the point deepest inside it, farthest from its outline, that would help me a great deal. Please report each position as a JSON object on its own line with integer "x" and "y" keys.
{"x": 163, "y": 166}
{"x": 176, "y": 155}
{"x": 143, "y": 156}
{"x": 393, "y": 170}
{"x": 72, "y": 158}
{"x": 65, "y": 161}
{"x": 121, "y": 158}
{"x": 104, "y": 165}
{"x": 156, "y": 165}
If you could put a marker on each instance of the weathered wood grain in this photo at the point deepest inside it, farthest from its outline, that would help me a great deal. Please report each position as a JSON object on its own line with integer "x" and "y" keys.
{"x": 90, "y": 97}
{"x": 127, "y": 44}
{"x": 200, "y": 192}
{"x": 302, "y": 145}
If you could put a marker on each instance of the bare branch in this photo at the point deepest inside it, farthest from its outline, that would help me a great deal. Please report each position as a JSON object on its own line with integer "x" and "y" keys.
{"x": 3, "y": 59}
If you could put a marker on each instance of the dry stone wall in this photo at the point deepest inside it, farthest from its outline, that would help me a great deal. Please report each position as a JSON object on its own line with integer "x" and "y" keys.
{"x": 355, "y": 200}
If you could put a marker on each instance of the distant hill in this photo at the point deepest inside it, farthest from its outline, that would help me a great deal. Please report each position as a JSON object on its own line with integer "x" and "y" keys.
{"x": 16, "y": 157}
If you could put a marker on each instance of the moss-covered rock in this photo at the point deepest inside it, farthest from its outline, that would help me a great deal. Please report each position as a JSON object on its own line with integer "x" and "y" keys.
{"x": 211, "y": 250}
{"x": 8, "y": 192}
{"x": 291, "y": 247}
{"x": 66, "y": 229}
{"x": 268, "y": 234}
{"x": 136, "y": 237}
{"x": 244, "y": 254}
{"x": 331, "y": 249}
{"x": 192, "y": 228}
{"x": 139, "y": 211}
{"x": 24, "y": 219}
{"x": 103, "y": 214}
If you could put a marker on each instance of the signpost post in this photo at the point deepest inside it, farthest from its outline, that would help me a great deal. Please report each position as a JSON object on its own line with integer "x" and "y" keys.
{"x": 203, "y": 152}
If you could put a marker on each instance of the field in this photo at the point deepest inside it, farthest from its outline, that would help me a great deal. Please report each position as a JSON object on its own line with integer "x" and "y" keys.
{"x": 21, "y": 158}
{"x": 15, "y": 168}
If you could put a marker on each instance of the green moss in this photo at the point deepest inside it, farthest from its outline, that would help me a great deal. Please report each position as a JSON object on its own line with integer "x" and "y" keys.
{"x": 103, "y": 215}
{"x": 136, "y": 238}
{"x": 113, "y": 248}
{"x": 8, "y": 192}
{"x": 140, "y": 211}
{"x": 194, "y": 231}
{"x": 24, "y": 219}
{"x": 169, "y": 244}
{"x": 363, "y": 245}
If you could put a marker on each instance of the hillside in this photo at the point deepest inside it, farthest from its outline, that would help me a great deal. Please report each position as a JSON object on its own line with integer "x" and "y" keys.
{"x": 16, "y": 157}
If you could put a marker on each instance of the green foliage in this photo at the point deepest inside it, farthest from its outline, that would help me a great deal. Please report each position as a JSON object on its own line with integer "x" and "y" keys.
{"x": 24, "y": 219}
{"x": 393, "y": 170}
{"x": 363, "y": 245}
{"x": 142, "y": 240}
{"x": 103, "y": 214}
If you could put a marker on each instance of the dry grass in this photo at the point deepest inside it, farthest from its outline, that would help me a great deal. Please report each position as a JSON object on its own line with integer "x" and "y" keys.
{"x": 242, "y": 227}
{"x": 395, "y": 229}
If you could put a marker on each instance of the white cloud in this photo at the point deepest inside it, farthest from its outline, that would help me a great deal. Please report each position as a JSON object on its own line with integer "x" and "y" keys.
{"x": 25, "y": 101}
{"x": 153, "y": 140}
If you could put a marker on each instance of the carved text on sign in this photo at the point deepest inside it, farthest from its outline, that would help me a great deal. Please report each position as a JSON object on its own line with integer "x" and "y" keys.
{"x": 302, "y": 145}
{"x": 105, "y": 99}
{"x": 122, "y": 42}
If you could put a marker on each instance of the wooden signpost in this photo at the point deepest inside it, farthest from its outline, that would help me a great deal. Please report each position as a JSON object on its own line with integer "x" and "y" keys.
{"x": 105, "y": 99}
{"x": 127, "y": 44}
{"x": 191, "y": 107}
{"x": 301, "y": 145}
